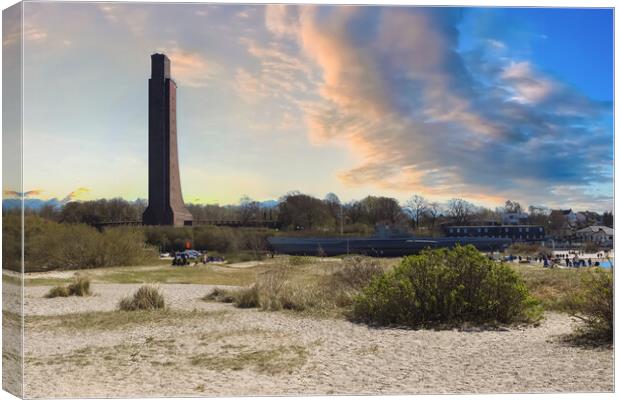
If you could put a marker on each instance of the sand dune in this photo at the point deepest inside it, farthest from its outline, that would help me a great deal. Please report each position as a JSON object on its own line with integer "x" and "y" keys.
{"x": 222, "y": 350}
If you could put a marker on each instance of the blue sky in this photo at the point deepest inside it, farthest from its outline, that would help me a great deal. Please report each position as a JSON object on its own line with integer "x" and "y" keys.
{"x": 481, "y": 103}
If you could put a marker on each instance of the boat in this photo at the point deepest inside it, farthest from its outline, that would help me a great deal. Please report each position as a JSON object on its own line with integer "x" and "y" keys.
{"x": 377, "y": 246}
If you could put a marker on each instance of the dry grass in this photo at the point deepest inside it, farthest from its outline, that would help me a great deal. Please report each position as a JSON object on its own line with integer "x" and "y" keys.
{"x": 145, "y": 298}
{"x": 79, "y": 287}
{"x": 551, "y": 286}
{"x": 110, "y": 320}
{"x": 306, "y": 284}
{"x": 281, "y": 359}
{"x": 57, "y": 291}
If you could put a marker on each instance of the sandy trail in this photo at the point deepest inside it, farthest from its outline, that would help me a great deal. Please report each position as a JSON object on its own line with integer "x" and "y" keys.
{"x": 225, "y": 351}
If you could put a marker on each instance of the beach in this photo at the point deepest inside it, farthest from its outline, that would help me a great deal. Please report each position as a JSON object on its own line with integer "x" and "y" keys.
{"x": 78, "y": 347}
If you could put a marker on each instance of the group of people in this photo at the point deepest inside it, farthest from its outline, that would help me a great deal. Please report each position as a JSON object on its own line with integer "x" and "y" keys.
{"x": 559, "y": 259}
{"x": 183, "y": 258}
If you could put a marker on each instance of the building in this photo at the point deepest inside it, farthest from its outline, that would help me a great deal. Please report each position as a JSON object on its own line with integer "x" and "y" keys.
{"x": 166, "y": 205}
{"x": 602, "y": 235}
{"x": 517, "y": 233}
{"x": 567, "y": 216}
{"x": 514, "y": 218}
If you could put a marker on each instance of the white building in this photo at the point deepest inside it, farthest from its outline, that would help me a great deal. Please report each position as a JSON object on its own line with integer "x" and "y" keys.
{"x": 514, "y": 218}
{"x": 596, "y": 234}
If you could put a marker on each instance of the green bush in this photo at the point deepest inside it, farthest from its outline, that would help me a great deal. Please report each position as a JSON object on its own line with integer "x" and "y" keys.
{"x": 145, "y": 298}
{"x": 51, "y": 245}
{"x": 446, "y": 287}
{"x": 593, "y": 304}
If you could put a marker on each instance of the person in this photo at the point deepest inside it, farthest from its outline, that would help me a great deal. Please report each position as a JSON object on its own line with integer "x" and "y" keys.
{"x": 589, "y": 262}
{"x": 545, "y": 262}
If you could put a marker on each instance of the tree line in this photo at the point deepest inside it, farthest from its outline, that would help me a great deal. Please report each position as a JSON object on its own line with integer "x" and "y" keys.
{"x": 296, "y": 211}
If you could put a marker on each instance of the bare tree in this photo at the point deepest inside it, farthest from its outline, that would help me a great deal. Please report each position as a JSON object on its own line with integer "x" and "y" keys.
{"x": 433, "y": 210}
{"x": 248, "y": 210}
{"x": 418, "y": 206}
{"x": 460, "y": 210}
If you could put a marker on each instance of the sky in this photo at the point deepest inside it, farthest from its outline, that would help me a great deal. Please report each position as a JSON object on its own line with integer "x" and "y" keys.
{"x": 485, "y": 104}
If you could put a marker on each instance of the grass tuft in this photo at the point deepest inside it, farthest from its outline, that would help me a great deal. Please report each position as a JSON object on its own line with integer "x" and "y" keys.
{"x": 145, "y": 298}
{"x": 79, "y": 287}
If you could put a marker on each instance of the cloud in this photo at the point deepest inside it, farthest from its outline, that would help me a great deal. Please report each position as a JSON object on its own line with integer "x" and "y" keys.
{"x": 281, "y": 20}
{"x": 75, "y": 195}
{"x": 528, "y": 87}
{"x": 423, "y": 117}
{"x": 133, "y": 18}
{"x": 30, "y": 193}
{"x": 190, "y": 69}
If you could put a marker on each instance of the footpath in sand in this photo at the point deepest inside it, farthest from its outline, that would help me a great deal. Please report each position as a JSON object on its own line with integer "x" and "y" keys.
{"x": 212, "y": 349}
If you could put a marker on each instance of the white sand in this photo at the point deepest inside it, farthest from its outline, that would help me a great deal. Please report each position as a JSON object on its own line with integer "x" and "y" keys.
{"x": 340, "y": 357}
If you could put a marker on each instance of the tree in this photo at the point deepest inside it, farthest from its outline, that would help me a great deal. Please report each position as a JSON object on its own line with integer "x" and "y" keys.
{"x": 557, "y": 220}
{"x": 335, "y": 208}
{"x": 303, "y": 211}
{"x": 460, "y": 211}
{"x": 539, "y": 215}
{"x": 248, "y": 210}
{"x": 513, "y": 207}
{"x": 432, "y": 211}
{"x": 608, "y": 219}
{"x": 381, "y": 209}
{"x": 418, "y": 206}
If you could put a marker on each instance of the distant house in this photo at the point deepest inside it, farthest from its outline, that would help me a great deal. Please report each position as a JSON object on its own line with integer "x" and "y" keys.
{"x": 596, "y": 234}
{"x": 514, "y": 218}
{"x": 568, "y": 215}
{"x": 518, "y": 233}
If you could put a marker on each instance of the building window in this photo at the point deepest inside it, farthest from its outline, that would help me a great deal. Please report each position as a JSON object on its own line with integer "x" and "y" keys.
{"x": 451, "y": 230}
{"x": 486, "y": 230}
{"x": 527, "y": 229}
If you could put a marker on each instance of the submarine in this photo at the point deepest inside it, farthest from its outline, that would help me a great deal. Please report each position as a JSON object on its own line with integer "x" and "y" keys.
{"x": 382, "y": 244}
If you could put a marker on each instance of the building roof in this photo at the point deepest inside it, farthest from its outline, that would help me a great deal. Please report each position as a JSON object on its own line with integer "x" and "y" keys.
{"x": 596, "y": 228}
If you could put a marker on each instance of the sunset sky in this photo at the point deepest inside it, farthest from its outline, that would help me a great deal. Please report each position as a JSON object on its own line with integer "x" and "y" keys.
{"x": 483, "y": 104}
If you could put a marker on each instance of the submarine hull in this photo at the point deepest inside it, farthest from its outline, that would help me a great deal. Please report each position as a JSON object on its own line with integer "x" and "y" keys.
{"x": 377, "y": 247}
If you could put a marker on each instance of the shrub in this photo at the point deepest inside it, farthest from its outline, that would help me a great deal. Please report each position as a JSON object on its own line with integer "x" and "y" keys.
{"x": 50, "y": 245}
{"x": 347, "y": 280}
{"x": 81, "y": 287}
{"x": 145, "y": 298}
{"x": 221, "y": 295}
{"x": 58, "y": 291}
{"x": 593, "y": 305}
{"x": 357, "y": 272}
{"x": 446, "y": 287}
{"x": 247, "y": 297}
{"x": 318, "y": 287}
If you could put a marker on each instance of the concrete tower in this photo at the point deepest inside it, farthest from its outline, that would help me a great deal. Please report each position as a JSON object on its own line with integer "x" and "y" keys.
{"x": 166, "y": 205}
